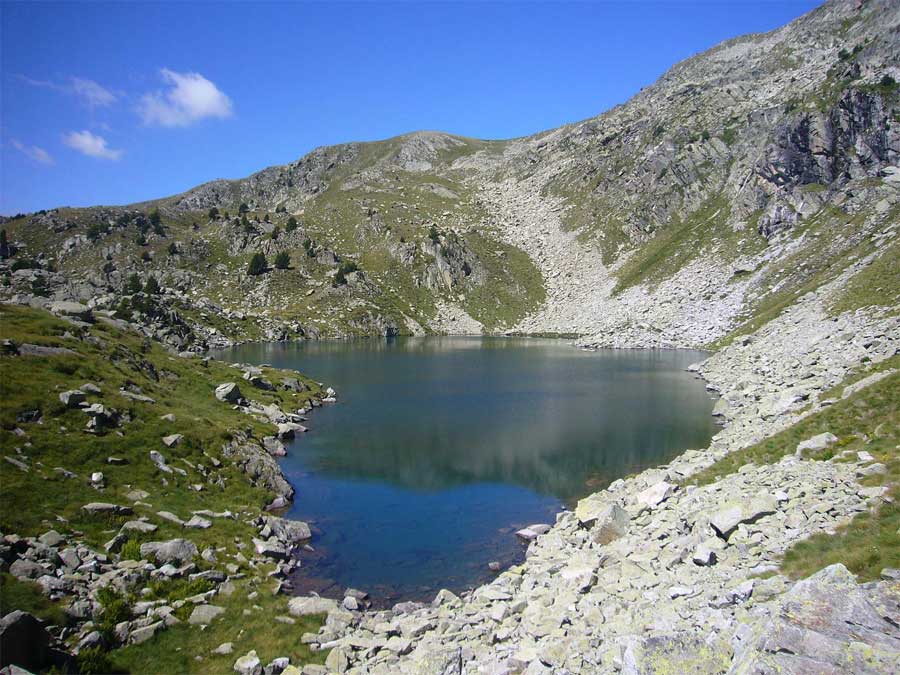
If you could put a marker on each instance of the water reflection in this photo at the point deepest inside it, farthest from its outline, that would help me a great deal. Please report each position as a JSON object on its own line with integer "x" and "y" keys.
{"x": 437, "y": 443}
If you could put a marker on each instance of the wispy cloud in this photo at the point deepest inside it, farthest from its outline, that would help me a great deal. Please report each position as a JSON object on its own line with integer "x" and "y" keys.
{"x": 33, "y": 152}
{"x": 190, "y": 98}
{"x": 91, "y": 93}
{"x": 91, "y": 145}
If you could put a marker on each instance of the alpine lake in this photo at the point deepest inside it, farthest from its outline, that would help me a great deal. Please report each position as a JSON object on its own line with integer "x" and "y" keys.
{"x": 440, "y": 448}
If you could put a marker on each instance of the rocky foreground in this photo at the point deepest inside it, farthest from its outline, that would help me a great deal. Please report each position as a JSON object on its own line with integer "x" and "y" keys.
{"x": 654, "y": 575}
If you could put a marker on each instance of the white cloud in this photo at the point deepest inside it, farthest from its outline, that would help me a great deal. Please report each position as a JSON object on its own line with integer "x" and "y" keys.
{"x": 190, "y": 98}
{"x": 39, "y": 155}
{"x": 92, "y": 93}
{"x": 91, "y": 145}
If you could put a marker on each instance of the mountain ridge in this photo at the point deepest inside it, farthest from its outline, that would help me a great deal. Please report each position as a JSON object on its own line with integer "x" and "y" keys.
{"x": 721, "y": 163}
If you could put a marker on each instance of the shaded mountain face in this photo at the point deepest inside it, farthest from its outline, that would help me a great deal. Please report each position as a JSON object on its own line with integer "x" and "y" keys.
{"x": 747, "y": 176}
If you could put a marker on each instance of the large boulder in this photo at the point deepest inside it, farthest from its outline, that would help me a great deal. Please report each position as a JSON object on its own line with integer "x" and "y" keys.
{"x": 249, "y": 664}
{"x": 228, "y": 392}
{"x": 24, "y": 642}
{"x": 174, "y": 550}
{"x": 824, "y": 624}
{"x": 205, "y": 614}
{"x": 74, "y": 310}
{"x": 816, "y": 443}
{"x": 72, "y": 398}
{"x": 311, "y": 605}
{"x": 293, "y": 531}
{"x": 271, "y": 548}
{"x": 656, "y": 494}
{"x": 726, "y": 520}
{"x": 26, "y": 569}
{"x": 607, "y": 520}
{"x": 104, "y": 507}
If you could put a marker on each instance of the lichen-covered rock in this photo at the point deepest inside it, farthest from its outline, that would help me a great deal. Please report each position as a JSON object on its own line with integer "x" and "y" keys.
{"x": 174, "y": 550}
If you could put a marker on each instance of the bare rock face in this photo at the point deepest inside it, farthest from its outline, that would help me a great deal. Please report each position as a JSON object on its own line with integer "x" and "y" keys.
{"x": 826, "y": 623}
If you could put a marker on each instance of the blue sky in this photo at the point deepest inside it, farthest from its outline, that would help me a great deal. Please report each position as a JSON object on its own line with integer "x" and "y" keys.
{"x": 117, "y": 103}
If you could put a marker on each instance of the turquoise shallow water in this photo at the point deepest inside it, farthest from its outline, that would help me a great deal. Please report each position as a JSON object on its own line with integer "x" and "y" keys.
{"x": 441, "y": 447}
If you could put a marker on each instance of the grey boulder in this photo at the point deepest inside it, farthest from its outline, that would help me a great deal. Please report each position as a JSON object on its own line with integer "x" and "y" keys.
{"x": 169, "y": 551}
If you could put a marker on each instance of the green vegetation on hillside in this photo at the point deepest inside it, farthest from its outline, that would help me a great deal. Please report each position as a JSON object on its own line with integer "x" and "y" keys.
{"x": 683, "y": 241}
{"x": 54, "y": 455}
{"x": 113, "y": 359}
{"x": 866, "y": 420}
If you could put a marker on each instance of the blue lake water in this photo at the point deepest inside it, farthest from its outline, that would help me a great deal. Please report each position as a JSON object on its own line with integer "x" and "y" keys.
{"x": 441, "y": 447}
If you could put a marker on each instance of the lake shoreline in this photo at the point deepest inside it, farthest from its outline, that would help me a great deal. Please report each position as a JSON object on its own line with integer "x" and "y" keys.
{"x": 605, "y": 547}
{"x": 509, "y": 548}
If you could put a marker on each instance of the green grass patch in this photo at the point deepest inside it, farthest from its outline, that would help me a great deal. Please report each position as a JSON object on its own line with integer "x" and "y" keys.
{"x": 683, "y": 240}
{"x": 867, "y": 545}
{"x": 34, "y": 501}
{"x": 29, "y": 597}
{"x": 247, "y": 623}
{"x": 852, "y": 420}
{"x": 878, "y": 284}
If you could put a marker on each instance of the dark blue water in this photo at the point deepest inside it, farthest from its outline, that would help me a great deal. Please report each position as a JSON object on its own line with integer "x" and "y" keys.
{"x": 440, "y": 448}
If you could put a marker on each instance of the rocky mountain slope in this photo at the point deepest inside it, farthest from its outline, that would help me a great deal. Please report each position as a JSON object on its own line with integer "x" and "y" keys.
{"x": 748, "y": 202}
{"x": 744, "y": 177}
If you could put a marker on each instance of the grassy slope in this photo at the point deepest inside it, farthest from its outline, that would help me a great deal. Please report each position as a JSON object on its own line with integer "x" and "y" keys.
{"x": 35, "y": 501}
{"x": 407, "y": 205}
{"x": 867, "y": 420}
{"x": 832, "y": 240}
{"x": 683, "y": 241}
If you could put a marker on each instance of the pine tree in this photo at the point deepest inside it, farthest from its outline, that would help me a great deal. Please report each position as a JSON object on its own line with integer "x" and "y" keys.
{"x": 258, "y": 264}
{"x": 133, "y": 285}
{"x": 283, "y": 260}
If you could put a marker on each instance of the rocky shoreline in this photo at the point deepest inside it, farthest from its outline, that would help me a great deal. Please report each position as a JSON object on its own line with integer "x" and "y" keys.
{"x": 169, "y": 581}
{"x": 651, "y": 575}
